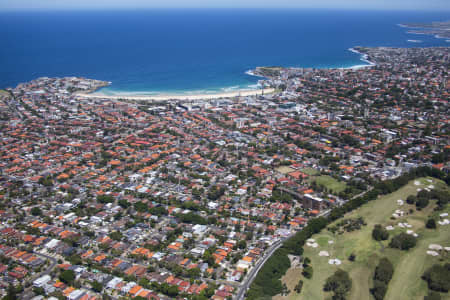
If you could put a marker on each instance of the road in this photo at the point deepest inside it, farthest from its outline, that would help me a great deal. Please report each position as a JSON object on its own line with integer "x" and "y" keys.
{"x": 254, "y": 271}
{"x": 50, "y": 268}
{"x": 27, "y": 293}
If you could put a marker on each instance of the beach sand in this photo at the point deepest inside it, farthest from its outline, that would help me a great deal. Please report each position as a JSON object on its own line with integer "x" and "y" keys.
{"x": 242, "y": 93}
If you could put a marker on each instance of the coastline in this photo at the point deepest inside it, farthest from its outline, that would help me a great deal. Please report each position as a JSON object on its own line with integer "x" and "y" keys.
{"x": 162, "y": 97}
{"x": 209, "y": 96}
{"x": 364, "y": 58}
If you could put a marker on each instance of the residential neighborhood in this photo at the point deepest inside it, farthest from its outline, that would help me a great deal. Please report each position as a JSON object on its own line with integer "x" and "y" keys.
{"x": 135, "y": 199}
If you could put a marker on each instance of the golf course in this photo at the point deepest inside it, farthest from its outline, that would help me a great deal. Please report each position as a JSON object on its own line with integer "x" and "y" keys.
{"x": 330, "y": 249}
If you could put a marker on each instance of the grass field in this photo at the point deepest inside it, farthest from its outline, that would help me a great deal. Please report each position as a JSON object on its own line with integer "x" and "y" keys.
{"x": 310, "y": 171}
{"x": 330, "y": 183}
{"x": 409, "y": 265}
{"x": 285, "y": 170}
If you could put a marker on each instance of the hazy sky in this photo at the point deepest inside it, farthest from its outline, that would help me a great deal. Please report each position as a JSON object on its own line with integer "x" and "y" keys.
{"x": 133, "y": 4}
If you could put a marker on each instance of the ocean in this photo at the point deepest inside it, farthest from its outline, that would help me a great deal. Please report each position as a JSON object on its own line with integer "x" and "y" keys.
{"x": 192, "y": 51}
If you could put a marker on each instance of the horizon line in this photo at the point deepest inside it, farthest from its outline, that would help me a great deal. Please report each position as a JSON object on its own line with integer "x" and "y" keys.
{"x": 157, "y": 8}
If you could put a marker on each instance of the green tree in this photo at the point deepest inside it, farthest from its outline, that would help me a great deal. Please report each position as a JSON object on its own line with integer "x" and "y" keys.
{"x": 431, "y": 224}
{"x": 403, "y": 241}
{"x": 438, "y": 277}
{"x": 379, "y": 233}
{"x": 67, "y": 276}
{"x": 36, "y": 211}
{"x": 340, "y": 283}
{"x": 97, "y": 286}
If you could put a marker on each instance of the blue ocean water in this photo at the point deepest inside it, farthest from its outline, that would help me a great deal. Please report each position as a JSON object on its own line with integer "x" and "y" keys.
{"x": 183, "y": 51}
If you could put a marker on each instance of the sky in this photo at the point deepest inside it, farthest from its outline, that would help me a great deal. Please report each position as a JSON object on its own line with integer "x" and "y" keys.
{"x": 436, "y": 5}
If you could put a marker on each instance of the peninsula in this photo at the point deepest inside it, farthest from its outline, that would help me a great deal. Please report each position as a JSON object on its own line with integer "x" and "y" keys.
{"x": 438, "y": 29}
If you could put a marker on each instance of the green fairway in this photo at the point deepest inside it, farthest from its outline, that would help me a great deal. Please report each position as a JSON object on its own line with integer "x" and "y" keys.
{"x": 330, "y": 183}
{"x": 409, "y": 265}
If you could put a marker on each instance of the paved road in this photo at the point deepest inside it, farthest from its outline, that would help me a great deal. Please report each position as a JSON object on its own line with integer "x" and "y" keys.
{"x": 27, "y": 293}
{"x": 50, "y": 268}
{"x": 254, "y": 271}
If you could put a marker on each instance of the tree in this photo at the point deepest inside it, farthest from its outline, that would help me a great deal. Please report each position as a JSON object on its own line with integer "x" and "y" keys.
{"x": 11, "y": 293}
{"x": 105, "y": 199}
{"x": 432, "y": 296}
{"x": 379, "y": 289}
{"x": 124, "y": 203}
{"x": 116, "y": 235}
{"x": 141, "y": 206}
{"x": 431, "y": 224}
{"x": 172, "y": 291}
{"x": 340, "y": 283}
{"x": 242, "y": 244}
{"x": 411, "y": 199}
{"x": 298, "y": 287}
{"x": 384, "y": 270}
{"x": 422, "y": 203}
{"x": 379, "y": 233}
{"x": 193, "y": 273}
{"x": 36, "y": 211}
{"x": 97, "y": 286}
{"x": 308, "y": 272}
{"x": 67, "y": 276}
{"x": 382, "y": 276}
{"x": 403, "y": 241}
{"x": 438, "y": 277}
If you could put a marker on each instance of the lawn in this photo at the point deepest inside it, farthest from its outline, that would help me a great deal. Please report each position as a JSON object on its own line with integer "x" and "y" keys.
{"x": 330, "y": 183}
{"x": 310, "y": 171}
{"x": 409, "y": 266}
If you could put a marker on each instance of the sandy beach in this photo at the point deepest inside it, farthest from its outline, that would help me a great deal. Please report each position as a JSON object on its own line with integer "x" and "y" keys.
{"x": 241, "y": 93}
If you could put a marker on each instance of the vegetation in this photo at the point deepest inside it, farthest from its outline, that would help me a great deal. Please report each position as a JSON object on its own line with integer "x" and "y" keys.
{"x": 267, "y": 282}
{"x": 299, "y": 286}
{"x": 36, "y": 211}
{"x": 330, "y": 184}
{"x": 403, "y": 241}
{"x": 431, "y": 224}
{"x": 348, "y": 225}
{"x": 340, "y": 283}
{"x": 379, "y": 233}
{"x": 269, "y": 276}
{"x": 438, "y": 278}
{"x": 383, "y": 274}
{"x": 67, "y": 276}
